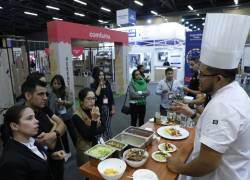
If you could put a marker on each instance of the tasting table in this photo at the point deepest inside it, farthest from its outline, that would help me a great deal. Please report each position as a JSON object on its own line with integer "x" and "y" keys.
{"x": 184, "y": 148}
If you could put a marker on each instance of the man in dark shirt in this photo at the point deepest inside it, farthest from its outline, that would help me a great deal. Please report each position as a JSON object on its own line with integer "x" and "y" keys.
{"x": 193, "y": 87}
{"x": 51, "y": 127}
{"x": 141, "y": 70}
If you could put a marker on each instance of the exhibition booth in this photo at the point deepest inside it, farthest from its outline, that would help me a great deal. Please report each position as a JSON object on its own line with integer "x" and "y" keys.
{"x": 62, "y": 34}
{"x": 156, "y": 47}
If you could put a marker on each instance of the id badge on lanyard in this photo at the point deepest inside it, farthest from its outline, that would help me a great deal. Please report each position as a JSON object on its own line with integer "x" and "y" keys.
{"x": 105, "y": 100}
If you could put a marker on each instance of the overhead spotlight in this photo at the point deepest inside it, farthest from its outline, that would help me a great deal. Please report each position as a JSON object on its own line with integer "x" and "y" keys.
{"x": 191, "y": 25}
{"x": 166, "y": 19}
{"x": 194, "y": 27}
{"x": 203, "y": 24}
{"x": 52, "y": 7}
{"x": 138, "y": 3}
{"x": 198, "y": 14}
{"x": 236, "y": 2}
{"x": 186, "y": 22}
{"x": 198, "y": 29}
{"x": 182, "y": 20}
{"x": 190, "y": 7}
{"x": 101, "y": 21}
{"x": 149, "y": 21}
{"x": 203, "y": 18}
{"x": 154, "y": 13}
{"x": 1, "y": 7}
{"x": 81, "y": 2}
{"x": 105, "y": 9}
{"x": 30, "y": 13}
{"x": 55, "y": 18}
{"x": 79, "y": 14}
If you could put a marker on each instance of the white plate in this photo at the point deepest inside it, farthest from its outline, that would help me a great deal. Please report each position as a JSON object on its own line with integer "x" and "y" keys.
{"x": 154, "y": 153}
{"x": 144, "y": 174}
{"x": 162, "y": 147}
{"x": 184, "y": 133}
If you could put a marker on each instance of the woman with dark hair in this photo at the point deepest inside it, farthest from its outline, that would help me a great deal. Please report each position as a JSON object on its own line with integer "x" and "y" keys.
{"x": 105, "y": 100}
{"x": 138, "y": 92}
{"x": 22, "y": 157}
{"x": 60, "y": 104}
{"x": 89, "y": 124}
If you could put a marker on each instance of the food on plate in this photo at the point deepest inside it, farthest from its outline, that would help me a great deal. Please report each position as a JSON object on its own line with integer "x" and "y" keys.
{"x": 167, "y": 147}
{"x": 173, "y": 131}
{"x": 115, "y": 144}
{"x": 135, "y": 154}
{"x": 160, "y": 156}
{"x": 100, "y": 151}
{"x": 110, "y": 171}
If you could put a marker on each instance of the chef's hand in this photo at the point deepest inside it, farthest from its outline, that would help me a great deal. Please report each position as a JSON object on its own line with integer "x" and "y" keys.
{"x": 182, "y": 108}
{"x": 95, "y": 113}
{"x": 186, "y": 89}
{"x": 58, "y": 155}
{"x": 174, "y": 164}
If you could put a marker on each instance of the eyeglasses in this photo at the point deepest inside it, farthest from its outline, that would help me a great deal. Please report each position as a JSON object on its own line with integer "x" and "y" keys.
{"x": 91, "y": 98}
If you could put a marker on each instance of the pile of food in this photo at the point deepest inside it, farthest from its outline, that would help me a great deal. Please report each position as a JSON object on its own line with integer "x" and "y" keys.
{"x": 110, "y": 172}
{"x": 115, "y": 144}
{"x": 173, "y": 131}
{"x": 160, "y": 156}
{"x": 99, "y": 151}
{"x": 135, "y": 154}
{"x": 168, "y": 147}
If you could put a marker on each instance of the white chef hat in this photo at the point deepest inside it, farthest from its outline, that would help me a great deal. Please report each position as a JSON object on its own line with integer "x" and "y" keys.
{"x": 223, "y": 40}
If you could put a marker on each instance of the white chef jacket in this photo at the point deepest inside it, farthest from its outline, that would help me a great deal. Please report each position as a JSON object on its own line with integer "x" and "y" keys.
{"x": 224, "y": 126}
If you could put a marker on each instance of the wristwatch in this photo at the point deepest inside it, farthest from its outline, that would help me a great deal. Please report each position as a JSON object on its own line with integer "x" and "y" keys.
{"x": 57, "y": 133}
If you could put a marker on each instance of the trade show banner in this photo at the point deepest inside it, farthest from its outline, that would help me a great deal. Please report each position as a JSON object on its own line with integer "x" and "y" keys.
{"x": 125, "y": 17}
{"x": 193, "y": 46}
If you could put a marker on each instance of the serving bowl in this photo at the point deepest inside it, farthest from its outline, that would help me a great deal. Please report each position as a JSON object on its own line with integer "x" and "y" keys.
{"x": 135, "y": 157}
{"x": 112, "y": 168}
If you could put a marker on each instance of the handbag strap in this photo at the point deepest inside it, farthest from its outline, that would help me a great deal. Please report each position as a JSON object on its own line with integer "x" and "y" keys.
{"x": 126, "y": 97}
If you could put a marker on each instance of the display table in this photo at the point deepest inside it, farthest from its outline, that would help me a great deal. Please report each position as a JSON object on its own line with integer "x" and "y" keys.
{"x": 184, "y": 148}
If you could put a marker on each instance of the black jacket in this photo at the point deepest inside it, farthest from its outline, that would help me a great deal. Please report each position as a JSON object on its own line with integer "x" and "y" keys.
{"x": 19, "y": 163}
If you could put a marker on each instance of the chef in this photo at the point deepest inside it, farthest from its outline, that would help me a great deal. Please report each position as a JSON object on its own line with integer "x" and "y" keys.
{"x": 222, "y": 147}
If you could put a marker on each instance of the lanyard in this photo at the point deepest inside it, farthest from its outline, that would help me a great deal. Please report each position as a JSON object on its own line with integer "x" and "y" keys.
{"x": 170, "y": 86}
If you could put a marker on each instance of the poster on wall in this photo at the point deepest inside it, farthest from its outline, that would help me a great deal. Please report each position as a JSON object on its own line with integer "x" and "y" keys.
{"x": 134, "y": 60}
{"x": 147, "y": 63}
{"x": 193, "y": 46}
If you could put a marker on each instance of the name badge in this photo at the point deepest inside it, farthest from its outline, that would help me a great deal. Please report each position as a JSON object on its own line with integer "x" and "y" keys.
{"x": 105, "y": 101}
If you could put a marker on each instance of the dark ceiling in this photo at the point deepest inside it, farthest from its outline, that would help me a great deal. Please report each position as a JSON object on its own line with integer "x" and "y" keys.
{"x": 14, "y": 21}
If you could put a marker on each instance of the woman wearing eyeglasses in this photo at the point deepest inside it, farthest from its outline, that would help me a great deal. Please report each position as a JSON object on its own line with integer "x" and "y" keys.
{"x": 138, "y": 92}
{"x": 88, "y": 123}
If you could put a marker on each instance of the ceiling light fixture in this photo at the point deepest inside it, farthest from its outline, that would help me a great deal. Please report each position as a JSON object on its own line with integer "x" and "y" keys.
{"x": 182, "y": 20}
{"x": 186, "y": 22}
{"x": 153, "y": 12}
{"x": 1, "y": 7}
{"x": 149, "y": 21}
{"x": 203, "y": 18}
{"x": 138, "y": 3}
{"x": 52, "y": 7}
{"x": 105, "y": 9}
{"x": 81, "y": 2}
{"x": 203, "y": 24}
{"x": 236, "y": 2}
{"x": 191, "y": 25}
{"x": 79, "y": 14}
{"x": 198, "y": 29}
{"x": 30, "y": 13}
{"x": 55, "y": 18}
{"x": 190, "y": 7}
{"x": 101, "y": 21}
{"x": 198, "y": 14}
